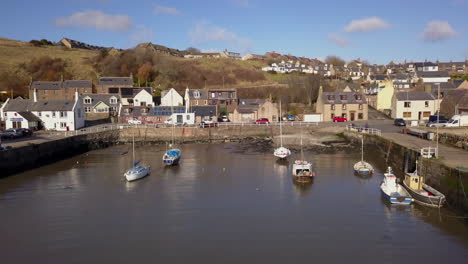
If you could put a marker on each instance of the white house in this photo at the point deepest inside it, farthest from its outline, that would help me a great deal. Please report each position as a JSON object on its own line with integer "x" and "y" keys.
{"x": 137, "y": 97}
{"x": 171, "y": 98}
{"x": 413, "y": 105}
{"x": 426, "y": 66}
{"x": 60, "y": 115}
{"x": 434, "y": 76}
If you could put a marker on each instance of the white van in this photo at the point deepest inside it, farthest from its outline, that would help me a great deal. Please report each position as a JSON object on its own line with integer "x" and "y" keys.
{"x": 458, "y": 121}
{"x": 181, "y": 119}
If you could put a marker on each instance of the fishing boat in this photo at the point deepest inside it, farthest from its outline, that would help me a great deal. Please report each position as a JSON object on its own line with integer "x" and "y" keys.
{"x": 281, "y": 152}
{"x": 303, "y": 170}
{"x": 362, "y": 167}
{"x": 172, "y": 156}
{"x": 136, "y": 172}
{"x": 422, "y": 193}
{"x": 394, "y": 192}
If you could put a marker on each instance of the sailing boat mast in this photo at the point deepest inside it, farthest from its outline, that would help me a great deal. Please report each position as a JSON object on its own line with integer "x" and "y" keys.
{"x": 281, "y": 127}
{"x": 362, "y": 148}
{"x": 302, "y": 149}
{"x": 133, "y": 148}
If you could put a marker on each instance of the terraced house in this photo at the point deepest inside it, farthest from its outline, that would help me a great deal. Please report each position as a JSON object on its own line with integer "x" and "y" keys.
{"x": 347, "y": 104}
{"x": 224, "y": 99}
{"x": 60, "y": 90}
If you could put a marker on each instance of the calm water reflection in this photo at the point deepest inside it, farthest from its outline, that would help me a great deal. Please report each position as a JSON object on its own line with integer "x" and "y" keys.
{"x": 225, "y": 203}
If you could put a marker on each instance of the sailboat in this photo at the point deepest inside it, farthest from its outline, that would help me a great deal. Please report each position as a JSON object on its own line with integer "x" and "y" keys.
{"x": 421, "y": 192}
{"x": 136, "y": 172}
{"x": 394, "y": 192}
{"x": 362, "y": 167}
{"x": 281, "y": 152}
{"x": 172, "y": 156}
{"x": 302, "y": 170}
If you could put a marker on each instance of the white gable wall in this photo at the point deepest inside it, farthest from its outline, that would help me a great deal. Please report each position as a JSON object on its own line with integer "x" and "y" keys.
{"x": 172, "y": 98}
{"x": 143, "y": 98}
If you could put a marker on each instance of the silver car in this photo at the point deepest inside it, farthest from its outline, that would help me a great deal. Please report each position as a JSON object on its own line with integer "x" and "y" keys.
{"x": 441, "y": 123}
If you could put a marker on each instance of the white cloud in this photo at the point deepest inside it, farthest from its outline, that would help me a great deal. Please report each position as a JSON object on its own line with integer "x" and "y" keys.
{"x": 97, "y": 20}
{"x": 165, "y": 10}
{"x": 438, "y": 31}
{"x": 338, "y": 40}
{"x": 142, "y": 34}
{"x": 366, "y": 25}
{"x": 204, "y": 32}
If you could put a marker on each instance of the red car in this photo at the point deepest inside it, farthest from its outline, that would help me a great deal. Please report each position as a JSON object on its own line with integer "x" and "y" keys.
{"x": 262, "y": 121}
{"x": 339, "y": 119}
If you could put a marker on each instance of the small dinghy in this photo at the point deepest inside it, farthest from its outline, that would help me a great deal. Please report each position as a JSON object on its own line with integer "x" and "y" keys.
{"x": 394, "y": 192}
{"x": 362, "y": 167}
{"x": 422, "y": 193}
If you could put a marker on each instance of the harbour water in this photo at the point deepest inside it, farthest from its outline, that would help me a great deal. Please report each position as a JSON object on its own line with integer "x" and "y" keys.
{"x": 224, "y": 203}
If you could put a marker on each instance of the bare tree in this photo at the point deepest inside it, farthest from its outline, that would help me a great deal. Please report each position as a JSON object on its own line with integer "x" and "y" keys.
{"x": 335, "y": 61}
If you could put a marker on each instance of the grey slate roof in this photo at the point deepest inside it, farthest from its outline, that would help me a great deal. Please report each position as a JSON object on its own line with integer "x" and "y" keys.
{"x": 96, "y": 98}
{"x": 116, "y": 81}
{"x": 29, "y": 116}
{"x": 249, "y": 105}
{"x": 424, "y": 64}
{"x": 203, "y": 94}
{"x": 21, "y": 105}
{"x": 414, "y": 96}
{"x": 336, "y": 98}
{"x": 204, "y": 110}
{"x": 77, "y": 84}
{"x": 41, "y": 85}
{"x": 433, "y": 74}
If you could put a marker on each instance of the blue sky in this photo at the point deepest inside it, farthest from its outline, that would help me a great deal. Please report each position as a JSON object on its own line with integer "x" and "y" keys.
{"x": 378, "y": 31}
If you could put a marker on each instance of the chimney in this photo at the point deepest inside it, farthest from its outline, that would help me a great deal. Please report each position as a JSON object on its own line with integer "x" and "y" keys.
{"x": 76, "y": 95}
{"x": 35, "y": 95}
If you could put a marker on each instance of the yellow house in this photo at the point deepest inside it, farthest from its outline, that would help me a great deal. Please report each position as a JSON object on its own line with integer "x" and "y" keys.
{"x": 384, "y": 97}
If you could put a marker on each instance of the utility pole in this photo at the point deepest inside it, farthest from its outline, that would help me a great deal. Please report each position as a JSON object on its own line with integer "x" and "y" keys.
{"x": 437, "y": 126}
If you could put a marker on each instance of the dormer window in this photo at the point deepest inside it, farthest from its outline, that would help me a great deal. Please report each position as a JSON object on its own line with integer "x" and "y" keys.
{"x": 113, "y": 100}
{"x": 87, "y": 100}
{"x": 358, "y": 97}
{"x": 331, "y": 97}
{"x": 196, "y": 94}
{"x": 343, "y": 97}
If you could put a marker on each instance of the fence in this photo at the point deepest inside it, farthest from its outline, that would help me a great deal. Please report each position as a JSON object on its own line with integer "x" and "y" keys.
{"x": 429, "y": 152}
{"x": 366, "y": 130}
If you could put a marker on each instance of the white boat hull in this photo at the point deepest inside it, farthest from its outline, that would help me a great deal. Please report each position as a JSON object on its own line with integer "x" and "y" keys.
{"x": 133, "y": 175}
{"x": 363, "y": 168}
{"x": 282, "y": 152}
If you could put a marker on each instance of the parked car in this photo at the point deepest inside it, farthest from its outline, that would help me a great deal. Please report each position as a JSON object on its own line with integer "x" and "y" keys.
{"x": 441, "y": 123}
{"x": 262, "y": 121}
{"x": 26, "y": 132}
{"x": 134, "y": 122}
{"x": 433, "y": 118}
{"x": 208, "y": 123}
{"x": 399, "y": 122}
{"x": 12, "y": 133}
{"x": 291, "y": 117}
{"x": 224, "y": 118}
{"x": 339, "y": 119}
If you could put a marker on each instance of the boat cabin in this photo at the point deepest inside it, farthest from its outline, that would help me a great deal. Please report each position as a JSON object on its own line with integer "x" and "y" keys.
{"x": 414, "y": 181}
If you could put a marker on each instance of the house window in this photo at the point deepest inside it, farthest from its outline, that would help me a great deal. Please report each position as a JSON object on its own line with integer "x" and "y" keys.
{"x": 113, "y": 100}
{"x": 87, "y": 110}
{"x": 343, "y": 107}
{"x": 188, "y": 117}
{"x": 332, "y": 107}
{"x": 426, "y": 103}
{"x": 426, "y": 114}
{"x": 360, "y": 116}
{"x": 407, "y": 104}
{"x": 343, "y": 97}
{"x": 87, "y": 100}
{"x": 331, "y": 97}
{"x": 332, "y": 116}
{"x": 196, "y": 102}
{"x": 206, "y": 102}
{"x": 406, "y": 114}
{"x": 360, "y": 106}
{"x": 53, "y": 114}
{"x": 39, "y": 114}
{"x": 112, "y": 109}
{"x": 358, "y": 97}
{"x": 213, "y": 95}
{"x": 63, "y": 114}
{"x": 63, "y": 124}
{"x": 196, "y": 94}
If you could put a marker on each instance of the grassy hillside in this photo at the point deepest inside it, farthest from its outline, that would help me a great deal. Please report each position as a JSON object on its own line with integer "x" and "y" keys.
{"x": 13, "y": 53}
